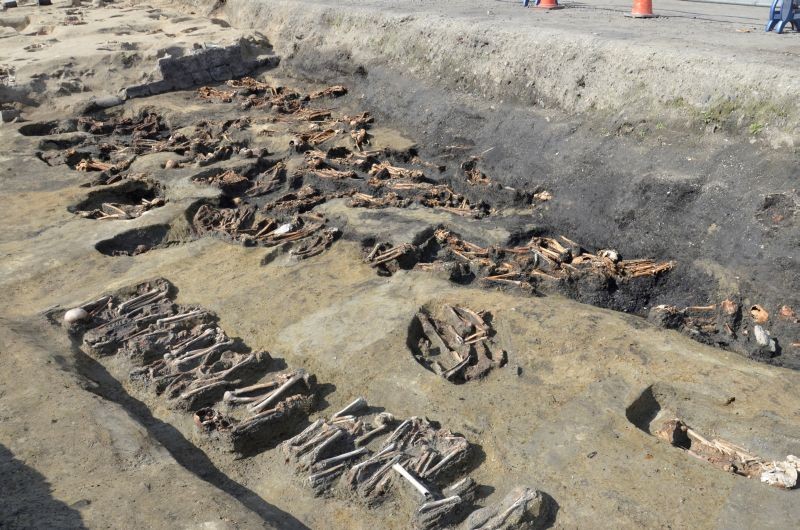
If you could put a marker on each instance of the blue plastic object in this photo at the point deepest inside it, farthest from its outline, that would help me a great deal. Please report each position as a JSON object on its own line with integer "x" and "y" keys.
{"x": 783, "y": 12}
{"x": 526, "y": 2}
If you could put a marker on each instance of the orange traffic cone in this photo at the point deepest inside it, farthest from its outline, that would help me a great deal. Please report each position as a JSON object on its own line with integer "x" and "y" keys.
{"x": 642, "y": 9}
{"x": 548, "y": 4}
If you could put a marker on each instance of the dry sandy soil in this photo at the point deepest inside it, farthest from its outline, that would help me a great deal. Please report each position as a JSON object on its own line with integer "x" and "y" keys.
{"x": 569, "y": 414}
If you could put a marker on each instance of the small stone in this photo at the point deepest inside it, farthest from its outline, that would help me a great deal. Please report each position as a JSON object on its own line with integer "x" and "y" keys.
{"x": 761, "y": 335}
{"x": 74, "y": 315}
{"x": 8, "y": 115}
{"x": 170, "y": 164}
{"x": 246, "y": 153}
{"x": 763, "y": 339}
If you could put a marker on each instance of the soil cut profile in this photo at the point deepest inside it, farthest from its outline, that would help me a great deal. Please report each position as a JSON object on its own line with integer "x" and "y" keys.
{"x": 338, "y": 264}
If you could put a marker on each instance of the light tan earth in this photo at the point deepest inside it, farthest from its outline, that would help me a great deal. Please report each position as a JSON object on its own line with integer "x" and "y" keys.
{"x": 79, "y": 448}
{"x": 697, "y": 65}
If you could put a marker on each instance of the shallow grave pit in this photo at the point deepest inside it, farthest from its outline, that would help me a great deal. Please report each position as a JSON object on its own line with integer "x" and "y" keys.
{"x": 124, "y": 201}
{"x": 455, "y": 343}
{"x": 654, "y": 412}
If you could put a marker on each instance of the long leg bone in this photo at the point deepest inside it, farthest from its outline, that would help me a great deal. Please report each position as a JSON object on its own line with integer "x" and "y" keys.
{"x": 300, "y": 375}
{"x": 304, "y": 435}
{"x": 176, "y": 318}
{"x": 400, "y": 431}
{"x": 455, "y": 499}
{"x": 181, "y": 347}
{"x": 357, "y": 405}
{"x": 322, "y": 464}
{"x": 141, "y": 301}
{"x": 234, "y": 396}
{"x": 447, "y": 458}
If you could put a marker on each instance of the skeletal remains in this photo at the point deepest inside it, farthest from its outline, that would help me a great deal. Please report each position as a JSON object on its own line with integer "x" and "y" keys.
{"x": 545, "y": 258}
{"x": 182, "y": 355}
{"x": 729, "y": 457}
{"x": 729, "y": 325}
{"x": 368, "y": 456}
{"x": 371, "y": 179}
{"x": 457, "y": 344}
{"x": 543, "y": 262}
{"x": 111, "y": 210}
{"x": 338, "y": 449}
{"x": 248, "y": 226}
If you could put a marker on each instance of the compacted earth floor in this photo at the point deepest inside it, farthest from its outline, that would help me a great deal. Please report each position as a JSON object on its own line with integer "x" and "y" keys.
{"x": 308, "y": 234}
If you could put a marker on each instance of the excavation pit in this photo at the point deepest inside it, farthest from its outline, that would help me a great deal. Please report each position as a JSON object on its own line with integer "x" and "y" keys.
{"x": 455, "y": 343}
{"x": 137, "y": 241}
{"x": 655, "y": 412}
{"x": 363, "y": 138}
{"x": 127, "y": 200}
{"x": 48, "y": 128}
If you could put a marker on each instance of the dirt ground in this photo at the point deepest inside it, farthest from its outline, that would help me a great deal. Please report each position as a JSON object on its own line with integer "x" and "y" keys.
{"x": 570, "y": 414}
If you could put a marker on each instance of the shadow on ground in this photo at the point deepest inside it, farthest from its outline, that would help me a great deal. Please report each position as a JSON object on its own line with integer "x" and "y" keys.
{"x": 26, "y": 500}
{"x": 182, "y": 450}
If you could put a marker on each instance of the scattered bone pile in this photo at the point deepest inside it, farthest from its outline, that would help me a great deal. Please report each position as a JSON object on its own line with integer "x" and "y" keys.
{"x": 339, "y": 450}
{"x": 268, "y": 200}
{"x": 110, "y": 145}
{"x": 729, "y": 457}
{"x": 250, "y": 226}
{"x": 269, "y": 411}
{"x": 368, "y": 176}
{"x": 386, "y": 258}
{"x": 544, "y": 259}
{"x": 336, "y": 162}
{"x": 457, "y": 344}
{"x": 369, "y": 456}
{"x": 729, "y": 325}
{"x": 122, "y": 211}
{"x": 181, "y": 355}
{"x": 124, "y": 200}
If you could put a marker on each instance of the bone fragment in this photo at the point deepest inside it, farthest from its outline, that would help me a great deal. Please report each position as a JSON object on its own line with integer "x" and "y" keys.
{"x": 274, "y": 396}
{"x": 358, "y": 404}
{"x": 176, "y": 318}
{"x": 455, "y": 499}
{"x": 342, "y": 457}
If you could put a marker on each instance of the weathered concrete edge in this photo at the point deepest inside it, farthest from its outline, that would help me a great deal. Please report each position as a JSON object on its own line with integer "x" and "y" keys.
{"x": 572, "y": 71}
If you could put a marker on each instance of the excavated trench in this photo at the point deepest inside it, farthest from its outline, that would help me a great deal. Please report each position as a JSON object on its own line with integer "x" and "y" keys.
{"x": 241, "y": 403}
{"x": 299, "y": 198}
{"x": 298, "y": 162}
{"x": 276, "y": 155}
